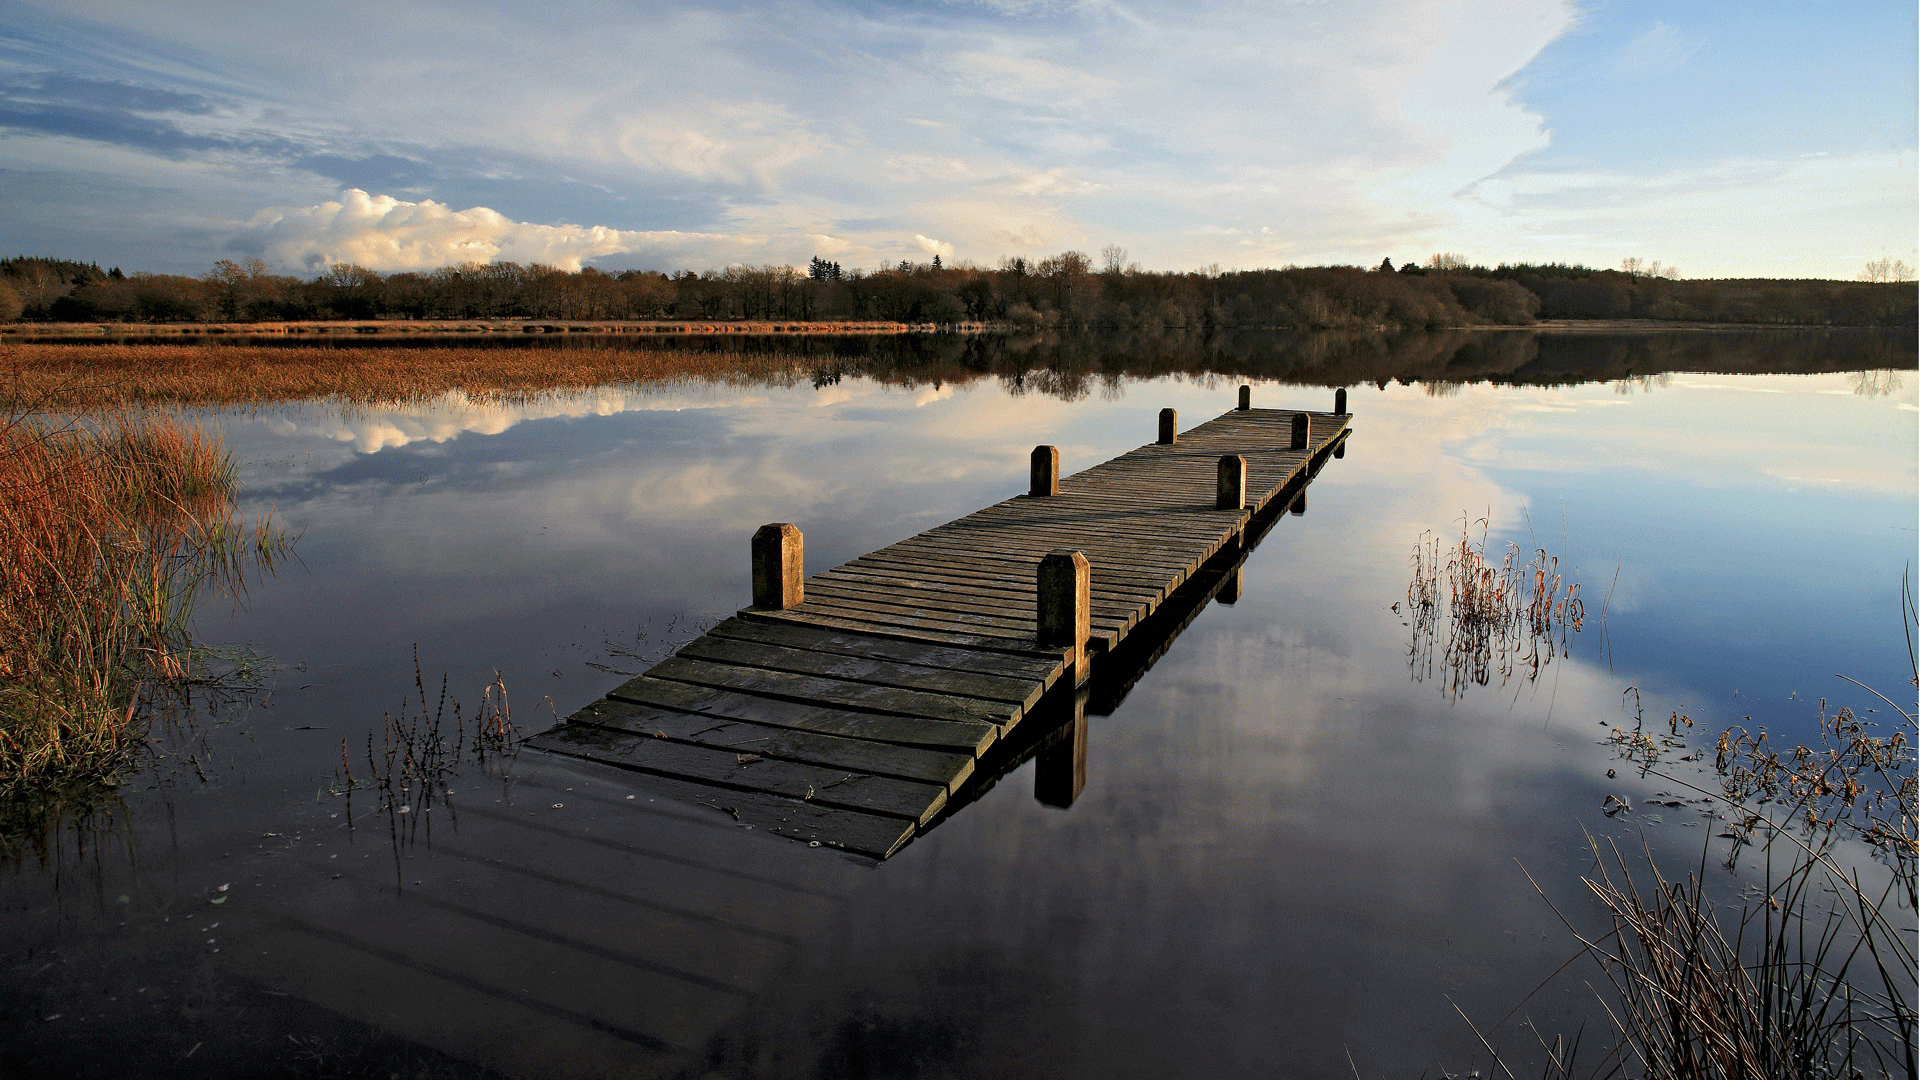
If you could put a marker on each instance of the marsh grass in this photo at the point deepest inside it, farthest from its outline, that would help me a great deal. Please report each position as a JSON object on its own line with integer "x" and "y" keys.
{"x": 112, "y": 532}
{"x": 1473, "y": 617}
{"x": 109, "y": 376}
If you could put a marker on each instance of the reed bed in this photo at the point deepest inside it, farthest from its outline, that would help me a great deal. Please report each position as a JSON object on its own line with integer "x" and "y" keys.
{"x": 1504, "y": 617}
{"x": 110, "y": 376}
{"x": 111, "y": 532}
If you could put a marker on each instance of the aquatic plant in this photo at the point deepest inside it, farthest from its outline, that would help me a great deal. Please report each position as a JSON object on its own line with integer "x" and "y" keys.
{"x": 1502, "y": 618}
{"x": 419, "y": 748}
{"x": 112, "y": 532}
{"x": 1815, "y": 975}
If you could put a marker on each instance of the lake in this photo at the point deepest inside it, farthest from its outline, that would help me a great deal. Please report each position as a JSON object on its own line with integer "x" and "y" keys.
{"x": 1297, "y": 852}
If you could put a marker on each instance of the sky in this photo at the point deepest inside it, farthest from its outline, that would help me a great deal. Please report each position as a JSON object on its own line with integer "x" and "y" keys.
{"x": 1748, "y": 139}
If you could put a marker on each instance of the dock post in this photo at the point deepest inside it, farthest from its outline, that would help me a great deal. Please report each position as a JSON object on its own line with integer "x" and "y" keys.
{"x": 1299, "y": 507}
{"x": 1340, "y": 402}
{"x": 1246, "y": 398}
{"x": 1046, "y": 471}
{"x": 1300, "y": 431}
{"x": 1340, "y": 449}
{"x": 1231, "y": 491}
{"x": 778, "y": 566}
{"x": 1169, "y": 427}
{"x": 1064, "y": 617}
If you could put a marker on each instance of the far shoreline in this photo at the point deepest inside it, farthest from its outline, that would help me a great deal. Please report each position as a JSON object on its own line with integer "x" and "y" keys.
{"x": 360, "y": 329}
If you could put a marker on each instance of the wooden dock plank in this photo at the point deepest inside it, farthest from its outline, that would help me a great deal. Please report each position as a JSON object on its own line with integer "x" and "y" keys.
{"x": 839, "y": 692}
{"x": 1013, "y": 644}
{"x": 840, "y": 788}
{"x": 852, "y": 830}
{"x": 1017, "y": 692}
{"x": 744, "y": 737}
{"x": 978, "y": 661}
{"x": 965, "y": 736}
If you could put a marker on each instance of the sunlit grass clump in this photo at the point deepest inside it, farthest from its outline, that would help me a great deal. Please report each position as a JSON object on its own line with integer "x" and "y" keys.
{"x": 110, "y": 531}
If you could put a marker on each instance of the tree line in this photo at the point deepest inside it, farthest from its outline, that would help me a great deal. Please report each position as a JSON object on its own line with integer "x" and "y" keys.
{"x": 1064, "y": 292}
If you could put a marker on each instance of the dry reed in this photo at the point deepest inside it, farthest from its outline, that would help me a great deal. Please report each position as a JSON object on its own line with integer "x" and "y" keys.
{"x": 122, "y": 376}
{"x": 419, "y": 749}
{"x": 110, "y": 533}
{"x": 1502, "y": 618}
{"x": 1815, "y": 976}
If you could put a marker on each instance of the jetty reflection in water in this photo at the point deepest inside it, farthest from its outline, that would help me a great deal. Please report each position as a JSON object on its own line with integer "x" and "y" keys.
{"x": 1281, "y": 850}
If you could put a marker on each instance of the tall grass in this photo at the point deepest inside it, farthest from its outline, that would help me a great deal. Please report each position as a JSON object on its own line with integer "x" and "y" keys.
{"x": 111, "y": 531}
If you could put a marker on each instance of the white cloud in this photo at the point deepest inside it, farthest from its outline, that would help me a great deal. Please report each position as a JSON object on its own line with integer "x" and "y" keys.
{"x": 933, "y": 247}
{"x": 387, "y": 234}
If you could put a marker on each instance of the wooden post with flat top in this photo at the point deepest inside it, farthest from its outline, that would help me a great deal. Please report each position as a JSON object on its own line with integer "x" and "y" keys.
{"x": 1300, "y": 431}
{"x": 778, "y": 566}
{"x": 1340, "y": 402}
{"x": 1169, "y": 427}
{"x": 1064, "y": 604}
{"x": 1045, "y": 472}
{"x": 1246, "y": 398}
{"x": 1231, "y": 491}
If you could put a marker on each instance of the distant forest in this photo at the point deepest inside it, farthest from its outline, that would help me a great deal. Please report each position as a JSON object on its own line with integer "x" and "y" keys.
{"x": 1066, "y": 292}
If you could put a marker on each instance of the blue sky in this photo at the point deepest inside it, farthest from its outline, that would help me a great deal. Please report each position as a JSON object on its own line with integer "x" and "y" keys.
{"x": 1726, "y": 139}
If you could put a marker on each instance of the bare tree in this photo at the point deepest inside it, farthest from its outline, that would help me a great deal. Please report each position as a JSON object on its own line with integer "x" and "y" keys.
{"x": 1887, "y": 270}
{"x": 1447, "y": 260}
{"x": 1638, "y": 267}
{"x": 1113, "y": 258}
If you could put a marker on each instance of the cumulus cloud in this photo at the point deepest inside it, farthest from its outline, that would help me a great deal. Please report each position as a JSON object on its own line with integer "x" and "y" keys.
{"x": 933, "y": 247}
{"x": 383, "y": 233}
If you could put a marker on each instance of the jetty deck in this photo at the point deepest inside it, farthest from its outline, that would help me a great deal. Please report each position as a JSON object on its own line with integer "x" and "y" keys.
{"x": 848, "y": 708}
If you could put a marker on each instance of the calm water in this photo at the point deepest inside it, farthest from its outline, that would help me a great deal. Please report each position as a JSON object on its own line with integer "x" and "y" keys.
{"x": 1289, "y": 851}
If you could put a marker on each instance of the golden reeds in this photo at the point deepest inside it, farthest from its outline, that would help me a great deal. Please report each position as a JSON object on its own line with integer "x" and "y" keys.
{"x": 108, "y": 376}
{"x": 109, "y": 532}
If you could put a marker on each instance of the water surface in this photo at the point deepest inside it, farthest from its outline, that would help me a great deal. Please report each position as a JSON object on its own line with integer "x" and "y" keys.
{"x": 1289, "y": 851}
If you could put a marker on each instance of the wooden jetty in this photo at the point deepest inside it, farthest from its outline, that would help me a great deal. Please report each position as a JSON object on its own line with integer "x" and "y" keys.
{"x": 849, "y": 708}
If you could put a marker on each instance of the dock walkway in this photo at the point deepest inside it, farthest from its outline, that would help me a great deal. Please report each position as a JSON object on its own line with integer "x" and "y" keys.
{"x": 847, "y": 709}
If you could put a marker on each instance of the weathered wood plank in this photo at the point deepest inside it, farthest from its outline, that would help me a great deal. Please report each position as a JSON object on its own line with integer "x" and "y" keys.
{"x": 965, "y": 736}
{"x": 851, "y": 830}
{"x": 1111, "y": 614}
{"x": 942, "y": 579}
{"x": 979, "y": 661}
{"x": 1014, "y": 645}
{"x": 1114, "y": 616}
{"x": 946, "y": 768}
{"x": 845, "y": 789}
{"x": 1020, "y": 692}
{"x": 838, "y": 692}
